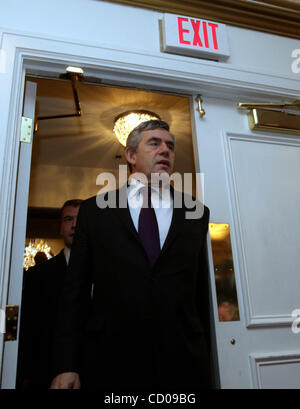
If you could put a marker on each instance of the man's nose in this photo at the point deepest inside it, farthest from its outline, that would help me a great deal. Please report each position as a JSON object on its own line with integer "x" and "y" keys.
{"x": 164, "y": 149}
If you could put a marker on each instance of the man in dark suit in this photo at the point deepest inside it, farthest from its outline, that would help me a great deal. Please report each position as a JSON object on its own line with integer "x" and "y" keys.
{"x": 41, "y": 290}
{"x": 149, "y": 324}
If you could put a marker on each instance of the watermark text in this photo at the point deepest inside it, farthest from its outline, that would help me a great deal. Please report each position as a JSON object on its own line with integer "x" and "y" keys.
{"x": 161, "y": 182}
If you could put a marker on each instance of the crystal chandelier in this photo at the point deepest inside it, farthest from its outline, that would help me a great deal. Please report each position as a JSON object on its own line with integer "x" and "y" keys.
{"x": 34, "y": 247}
{"x": 127, "y": 121}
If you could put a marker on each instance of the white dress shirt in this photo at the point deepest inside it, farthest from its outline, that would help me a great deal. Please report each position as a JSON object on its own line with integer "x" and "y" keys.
{"x": 161, "y": 200}
{"x": 67, "y": 252}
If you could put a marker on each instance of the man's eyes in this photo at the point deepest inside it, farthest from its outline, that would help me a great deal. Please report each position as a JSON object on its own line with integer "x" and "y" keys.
{"x": 68, "y": 219}
{"x": 156, "y": 143}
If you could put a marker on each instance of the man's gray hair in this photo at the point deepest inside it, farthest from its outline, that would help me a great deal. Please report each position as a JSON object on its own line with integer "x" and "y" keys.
{"x": 135, "y": 135}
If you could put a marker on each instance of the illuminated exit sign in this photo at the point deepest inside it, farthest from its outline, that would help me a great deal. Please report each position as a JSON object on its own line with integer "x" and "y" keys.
{"x": 195, "y": 37}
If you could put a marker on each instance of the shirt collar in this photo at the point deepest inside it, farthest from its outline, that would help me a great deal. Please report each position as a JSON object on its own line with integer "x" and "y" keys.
{"x": 161, "y": 194}
{"x": 67, "y": 252}
{"x": 136, "y": 185}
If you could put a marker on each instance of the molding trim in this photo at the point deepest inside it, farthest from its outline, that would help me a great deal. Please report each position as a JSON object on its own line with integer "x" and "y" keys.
{"x": 251, "y": 320}
{"x": 257, "y": 361}
{"x": 191, "y": 75}
{"x": 279, "y": 17}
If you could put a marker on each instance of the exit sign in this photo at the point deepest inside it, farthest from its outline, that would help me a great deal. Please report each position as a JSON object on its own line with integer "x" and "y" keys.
{"x": 195, "y": 37}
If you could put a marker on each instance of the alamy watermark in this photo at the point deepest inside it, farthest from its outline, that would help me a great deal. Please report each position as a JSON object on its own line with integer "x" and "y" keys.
{"x": 107, "y": 197}
{"x": 296, "y": 322}
{"x": 295, "y": 66}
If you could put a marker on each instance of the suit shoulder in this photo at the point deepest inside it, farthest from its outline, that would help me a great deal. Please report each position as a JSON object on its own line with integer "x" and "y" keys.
{"x": 192, "y": 203}
{"x": 58, "y": 259}
{"x": 206, "y": 212}
{"x": 40, "y": 270}
{"x": 87, "y": 207}
{"x": 90, "y": 202}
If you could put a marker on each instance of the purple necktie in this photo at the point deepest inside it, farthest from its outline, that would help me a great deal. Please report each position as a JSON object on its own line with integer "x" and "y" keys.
{"x": 148, "y": 227}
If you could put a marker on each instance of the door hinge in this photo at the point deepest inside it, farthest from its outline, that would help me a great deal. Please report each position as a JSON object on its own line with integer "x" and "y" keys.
{"x": 26, "y": 130}
{"x": 11, "y": 322}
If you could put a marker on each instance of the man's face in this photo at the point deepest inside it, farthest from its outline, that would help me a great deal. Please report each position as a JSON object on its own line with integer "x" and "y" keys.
{"x": 68, "y": 224}
{"x": 154, "y": 154}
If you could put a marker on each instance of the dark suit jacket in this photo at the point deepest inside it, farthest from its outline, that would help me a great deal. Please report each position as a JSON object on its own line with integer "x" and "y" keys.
{"x": 147, "y": 322}
{"x": 42, "y": 285}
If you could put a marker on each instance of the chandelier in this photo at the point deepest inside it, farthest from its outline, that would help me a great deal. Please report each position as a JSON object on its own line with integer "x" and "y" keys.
{"x": 127, "y": 121}
{"x": 34, "y": 247}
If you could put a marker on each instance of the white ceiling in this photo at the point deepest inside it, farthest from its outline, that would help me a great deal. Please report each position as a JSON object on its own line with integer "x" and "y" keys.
{"x": 88, "y": 140}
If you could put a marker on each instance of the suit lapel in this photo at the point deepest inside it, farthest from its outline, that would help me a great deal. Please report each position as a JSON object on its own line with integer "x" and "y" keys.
{"x": 123, "y": 214}
{"x": 176, "y": 223}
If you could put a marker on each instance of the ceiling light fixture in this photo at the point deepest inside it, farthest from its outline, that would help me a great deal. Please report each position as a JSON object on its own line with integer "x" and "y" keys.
{"x": 127, "y": 121}
{"x": 34, "y": 247}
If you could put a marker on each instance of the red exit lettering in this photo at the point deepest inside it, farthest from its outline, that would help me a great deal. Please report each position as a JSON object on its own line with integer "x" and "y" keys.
{"x": 206, "y": 36}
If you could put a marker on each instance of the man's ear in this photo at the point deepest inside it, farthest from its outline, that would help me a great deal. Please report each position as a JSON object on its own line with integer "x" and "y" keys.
{"x": 130, "y": 155}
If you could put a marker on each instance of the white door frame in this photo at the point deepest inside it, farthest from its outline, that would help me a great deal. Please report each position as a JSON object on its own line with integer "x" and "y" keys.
{"x": 19, "y": 231}
{"x": 22, "y": 54}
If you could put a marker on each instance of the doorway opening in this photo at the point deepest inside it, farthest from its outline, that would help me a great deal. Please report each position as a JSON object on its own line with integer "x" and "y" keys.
{"x": 69, "y": 153}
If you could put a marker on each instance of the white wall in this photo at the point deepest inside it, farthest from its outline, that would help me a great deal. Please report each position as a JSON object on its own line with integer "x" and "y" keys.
{"x": 129, "y": 28}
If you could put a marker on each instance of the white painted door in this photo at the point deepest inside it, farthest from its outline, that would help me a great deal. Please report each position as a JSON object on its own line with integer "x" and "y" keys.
{"x": 10, "y": 351}
{"x": 252, "y": 183}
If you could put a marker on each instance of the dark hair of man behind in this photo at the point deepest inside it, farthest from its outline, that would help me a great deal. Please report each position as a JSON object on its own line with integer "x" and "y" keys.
{"x": 72, "y": 203}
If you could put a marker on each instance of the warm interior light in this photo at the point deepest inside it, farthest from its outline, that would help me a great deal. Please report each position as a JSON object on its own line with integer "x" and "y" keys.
{"x": 34, "y": 247}
{"x": 127, "y": 121}
{"x": 218, "y": 231}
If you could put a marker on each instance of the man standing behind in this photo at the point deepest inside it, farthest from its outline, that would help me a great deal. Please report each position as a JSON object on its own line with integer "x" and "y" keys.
{"x": 149, "y": 324}
{"x": 41, "y": 290}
